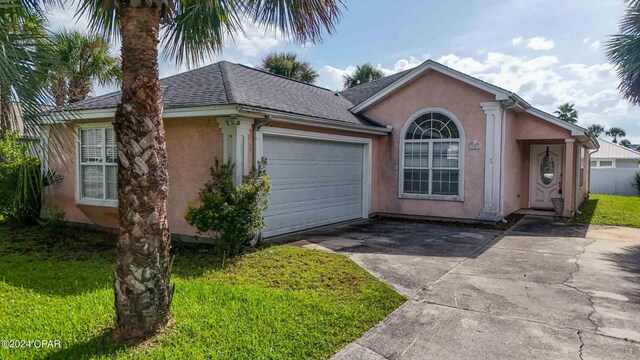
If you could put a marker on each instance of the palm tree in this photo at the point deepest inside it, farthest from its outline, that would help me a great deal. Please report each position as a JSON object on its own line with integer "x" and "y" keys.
{"x": 22, "y": 28}
{"x": 626, "y": 143}
{"x": 566, "y": 112}
{"x": 363, "y": 74}
{"x": 623, "y": 52}
{"x": 288, "y": 65}
{"x": 615, "y": 133}
{"x": 191, "y": 32}
{"x": 596, "y": 129}
{"x": 83, "y": 59}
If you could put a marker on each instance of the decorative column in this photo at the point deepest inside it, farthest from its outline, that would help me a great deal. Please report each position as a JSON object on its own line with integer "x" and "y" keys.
{"x": 568, "y": 177}
{"x": 492, "y": 203}
{"x": 235, "y": 144}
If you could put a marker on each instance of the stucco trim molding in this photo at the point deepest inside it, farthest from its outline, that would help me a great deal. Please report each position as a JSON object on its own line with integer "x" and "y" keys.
{"x": 235, "y": 144}
{"x": 492, "y": 194}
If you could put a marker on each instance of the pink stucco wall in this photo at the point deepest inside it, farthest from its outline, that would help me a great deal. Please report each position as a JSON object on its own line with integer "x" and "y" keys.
{"x": 523, "y": 130}
{"x": 430, "y": 90}
{"x": 192, "y": 146}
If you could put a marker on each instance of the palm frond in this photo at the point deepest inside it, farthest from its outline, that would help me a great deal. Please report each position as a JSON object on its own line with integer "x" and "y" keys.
{"x": 623, "y": 51}
{"x": 303, "y": 21}
{"x": 199, "y": 29}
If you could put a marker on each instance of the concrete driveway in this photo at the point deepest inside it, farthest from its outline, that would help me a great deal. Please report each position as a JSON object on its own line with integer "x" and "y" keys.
{"x": 538, "y": 291}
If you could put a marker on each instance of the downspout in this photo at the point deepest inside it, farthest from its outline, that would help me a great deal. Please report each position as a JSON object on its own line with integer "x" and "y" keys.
{"x": 505, "y": 105}
{"x": 591, "y": 153}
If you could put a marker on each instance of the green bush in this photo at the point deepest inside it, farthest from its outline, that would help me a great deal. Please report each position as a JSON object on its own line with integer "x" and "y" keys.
{"x": 21, "y": 181}
{"x": 232, "y": 214}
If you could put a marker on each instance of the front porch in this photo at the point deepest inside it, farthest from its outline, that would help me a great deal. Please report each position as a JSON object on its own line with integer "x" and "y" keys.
{"x": 545, "y": 165}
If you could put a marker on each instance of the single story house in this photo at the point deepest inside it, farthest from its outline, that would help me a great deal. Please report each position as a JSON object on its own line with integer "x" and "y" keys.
{"x": 613, "y": 169}
{"x": 612, "y": 155}
{"x": 427, "y": 142}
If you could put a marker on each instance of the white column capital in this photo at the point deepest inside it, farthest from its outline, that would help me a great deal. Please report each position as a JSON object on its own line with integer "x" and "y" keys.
{"x": 491, "y": 107}
{"x": 569, "y": 140}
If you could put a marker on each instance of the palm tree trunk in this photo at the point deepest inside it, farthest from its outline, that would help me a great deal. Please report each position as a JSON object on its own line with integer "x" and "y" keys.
{"x": 6, "y": 110}
{"x": 59, "y": 91}
{"x": 79, "y": 89}
{"x": 142, "y": 286}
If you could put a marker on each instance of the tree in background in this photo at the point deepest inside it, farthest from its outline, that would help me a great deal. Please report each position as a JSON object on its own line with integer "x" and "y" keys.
{"x": 596, "y": 129}
{"x": 623, "y": 51}
{"x": 626, "y": 143}
{"x": 567, "y": 112}
{"x": 192, "y": 31}
{"x": 21, "y": 29}
{"x": 615, "y": 133}
{"x": 83, "y": 59}
{"x": 288, "y": 65}
{"x": 362, "y": 74}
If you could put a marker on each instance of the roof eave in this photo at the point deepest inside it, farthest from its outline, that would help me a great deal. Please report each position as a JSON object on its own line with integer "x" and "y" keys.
{"x": 298, "y": 119}
{"x": 499, "y": 93}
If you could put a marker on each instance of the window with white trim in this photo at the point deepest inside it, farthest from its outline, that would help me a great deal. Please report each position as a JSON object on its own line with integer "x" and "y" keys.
{"x": 601, "y": 163}
{"x": 430, "y": 159}
{"x": 98, "y": 164}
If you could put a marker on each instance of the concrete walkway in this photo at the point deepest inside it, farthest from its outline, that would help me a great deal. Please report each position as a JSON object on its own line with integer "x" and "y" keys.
{"x": 539, "y": 291}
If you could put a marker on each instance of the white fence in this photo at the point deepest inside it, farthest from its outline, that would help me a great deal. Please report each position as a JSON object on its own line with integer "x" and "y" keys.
{"x": 614, "y": 181}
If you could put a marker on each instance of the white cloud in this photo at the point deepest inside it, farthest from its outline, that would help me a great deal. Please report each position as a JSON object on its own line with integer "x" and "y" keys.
{"x": 595, "y": 45}
{"x": 546, "y": 83}
{"x": 540, "y": 43}
{"x": 332, "y": 77}
{"x": 255, "y": 41}
{"x": 517, "y": 41}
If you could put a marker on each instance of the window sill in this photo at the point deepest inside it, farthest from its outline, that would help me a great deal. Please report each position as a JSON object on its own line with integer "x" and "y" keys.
{"x": 455, "y": 198}
{"x": 96, "y": 202}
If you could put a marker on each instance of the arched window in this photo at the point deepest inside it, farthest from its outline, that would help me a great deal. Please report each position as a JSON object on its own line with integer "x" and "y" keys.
{"x": 430, "y": 156}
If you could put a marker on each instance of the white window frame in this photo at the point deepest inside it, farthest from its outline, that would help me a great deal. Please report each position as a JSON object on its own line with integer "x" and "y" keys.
{"x": 613, "y": 163}
{"x": 89, "y": 201}
{"x": 461, "y": 155}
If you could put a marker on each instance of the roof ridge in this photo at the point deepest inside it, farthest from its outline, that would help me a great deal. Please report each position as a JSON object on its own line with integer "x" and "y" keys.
{"x": 382, "y": 78}
{"x": 280, "y": 76}
{"x": 229, "y": 87}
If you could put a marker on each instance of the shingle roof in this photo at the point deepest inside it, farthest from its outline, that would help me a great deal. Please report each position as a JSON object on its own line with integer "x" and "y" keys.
{"x": 228, "y": 83}
{"x": 362, "y": 92}
{"x": 609, "y": 150}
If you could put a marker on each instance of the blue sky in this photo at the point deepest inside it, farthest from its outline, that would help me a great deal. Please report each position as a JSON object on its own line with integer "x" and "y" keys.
{"x": 548, "y": 51}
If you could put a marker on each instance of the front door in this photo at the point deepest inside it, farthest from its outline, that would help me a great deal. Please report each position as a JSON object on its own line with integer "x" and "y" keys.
{"x": 546, "y": 175}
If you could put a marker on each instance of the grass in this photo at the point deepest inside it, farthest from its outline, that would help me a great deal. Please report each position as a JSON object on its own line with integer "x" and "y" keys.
{"x": 610, "y": 210}
{"x": 271, "y": 303}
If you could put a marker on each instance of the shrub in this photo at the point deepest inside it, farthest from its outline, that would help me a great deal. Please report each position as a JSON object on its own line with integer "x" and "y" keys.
{"x": 232, "y": 215}
{"x": 21, "y": 181}
{"x": 638, "y": 182}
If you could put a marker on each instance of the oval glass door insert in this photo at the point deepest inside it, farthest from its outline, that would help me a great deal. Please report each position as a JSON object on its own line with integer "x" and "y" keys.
{"x": 547, "y": 169}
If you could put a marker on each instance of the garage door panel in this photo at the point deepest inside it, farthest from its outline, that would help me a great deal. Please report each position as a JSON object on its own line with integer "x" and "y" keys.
{"x": 313, "y": 183}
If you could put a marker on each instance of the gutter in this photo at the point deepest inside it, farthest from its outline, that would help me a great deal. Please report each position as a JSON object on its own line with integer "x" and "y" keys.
{"x": 285, "y": 117}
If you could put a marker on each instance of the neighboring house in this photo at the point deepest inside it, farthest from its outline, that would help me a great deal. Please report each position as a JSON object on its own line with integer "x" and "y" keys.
{"x": 428, "y": 142}
{"x": 613, "y": 169}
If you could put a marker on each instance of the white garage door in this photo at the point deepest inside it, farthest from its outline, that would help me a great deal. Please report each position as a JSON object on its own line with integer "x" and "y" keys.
{"x": 313, "y": 183}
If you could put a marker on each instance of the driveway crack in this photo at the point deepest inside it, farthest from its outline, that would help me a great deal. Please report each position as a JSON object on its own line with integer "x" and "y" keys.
{"x": 591, "y": 301}
{"x": 581, "y": 344}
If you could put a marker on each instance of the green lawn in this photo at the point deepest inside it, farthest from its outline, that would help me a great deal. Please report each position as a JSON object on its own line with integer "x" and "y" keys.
{"x": 273, "y": 303}
{"x": 610, "y": 210}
